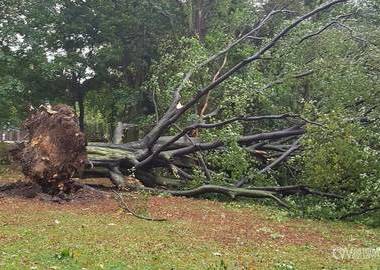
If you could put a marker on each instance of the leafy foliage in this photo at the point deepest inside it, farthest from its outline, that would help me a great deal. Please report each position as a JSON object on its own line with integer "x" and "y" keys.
{"x": 343, "y": 158}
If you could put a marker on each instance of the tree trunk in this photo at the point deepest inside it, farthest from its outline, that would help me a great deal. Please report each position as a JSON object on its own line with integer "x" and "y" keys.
{"x": 199, "y": 19}
{"x": 81, "y": 98}
{"x": 117, "y": 136}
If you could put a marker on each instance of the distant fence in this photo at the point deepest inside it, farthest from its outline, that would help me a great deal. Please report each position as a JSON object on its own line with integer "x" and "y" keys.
{"x": 12, "y": 135}
{"x": 101, "y": 132}
{"x": 94, "y": 133}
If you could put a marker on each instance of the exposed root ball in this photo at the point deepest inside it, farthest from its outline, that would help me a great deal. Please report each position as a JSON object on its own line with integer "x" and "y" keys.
{"x": 56, "y": 148}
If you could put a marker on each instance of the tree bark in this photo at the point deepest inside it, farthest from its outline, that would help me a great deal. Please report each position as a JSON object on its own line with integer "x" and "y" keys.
{"x": 81, "y": 98}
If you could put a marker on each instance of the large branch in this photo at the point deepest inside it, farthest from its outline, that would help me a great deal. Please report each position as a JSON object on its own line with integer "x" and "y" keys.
{"x": 336, "y": 22}
{"x": 280, "y": 159}
{"x": 243, "y": 141}
{"x": 333, "y": 22}
{"x": 276, "y": 162}
{"x": 195, "y": 126}
{"x": 112, "y": 156}
{"x": 229, "y": 191}
{"x": 254, "y": 192}
{"x": 297, "y": 190}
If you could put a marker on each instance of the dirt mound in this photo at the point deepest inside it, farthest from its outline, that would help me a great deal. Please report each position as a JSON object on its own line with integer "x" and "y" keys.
{"x": 55, "y": 150}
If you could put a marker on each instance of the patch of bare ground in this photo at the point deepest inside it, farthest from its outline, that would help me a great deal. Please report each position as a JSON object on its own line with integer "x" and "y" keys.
{"x": 30, "y": 190}
{"x": 212, "y": 221}
{"x": 27, "y": 197}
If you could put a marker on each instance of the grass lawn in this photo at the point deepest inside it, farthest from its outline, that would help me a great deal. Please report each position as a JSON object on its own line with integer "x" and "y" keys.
{"x": 198, "y": 234}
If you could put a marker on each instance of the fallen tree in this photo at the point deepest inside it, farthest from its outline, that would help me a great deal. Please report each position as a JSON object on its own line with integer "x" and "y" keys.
{"x": 50, "y": 157}
{"x": 180, "y": 153}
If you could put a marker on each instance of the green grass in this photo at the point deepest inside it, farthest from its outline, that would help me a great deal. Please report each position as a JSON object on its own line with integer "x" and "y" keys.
{"x": 99, "y": 242}
{"x": 40, "y": 235}
{"x": 62, "y": 239}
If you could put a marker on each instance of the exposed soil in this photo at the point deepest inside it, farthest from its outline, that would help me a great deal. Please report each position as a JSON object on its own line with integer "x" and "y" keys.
{"x": 55, "y": 149}
{"x": 231, "y": 227}
{"x": 31, "y": 190}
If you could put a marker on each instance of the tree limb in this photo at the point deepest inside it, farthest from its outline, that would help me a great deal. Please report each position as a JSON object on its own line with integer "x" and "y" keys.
{"x": 229, "y": 191}
{"x": 297, "y": 189}
{"x": 286, "y": 154}
{"x": 244, "y": 140}
{"x": 190, "y": 128}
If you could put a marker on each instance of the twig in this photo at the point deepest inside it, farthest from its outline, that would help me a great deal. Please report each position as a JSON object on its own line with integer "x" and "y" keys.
{"x": 216, "y": 76}
{"x": 280, "y": 81}
{"x": 293, "y": 148}
{"x": 125, "y": 207}
{"x": 200, "y": 157}
{"x": 155, "y": 106}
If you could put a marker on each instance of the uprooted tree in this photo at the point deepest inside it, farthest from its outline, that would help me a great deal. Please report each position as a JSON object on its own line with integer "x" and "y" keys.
{"x": 55, "y": 150}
